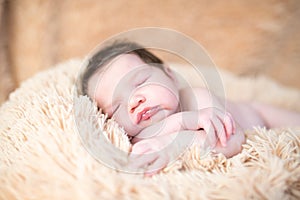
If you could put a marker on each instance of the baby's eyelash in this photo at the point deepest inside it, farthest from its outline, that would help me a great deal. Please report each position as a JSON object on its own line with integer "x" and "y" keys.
{"x": 116, "y": 108}
{"x": 143, "y": 81}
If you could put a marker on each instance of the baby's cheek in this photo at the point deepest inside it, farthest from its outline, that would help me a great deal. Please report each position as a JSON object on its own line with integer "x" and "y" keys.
{"x": 169, "y": 98}
{"x": 160, "y": 94}
{"x": 124, "y": 120}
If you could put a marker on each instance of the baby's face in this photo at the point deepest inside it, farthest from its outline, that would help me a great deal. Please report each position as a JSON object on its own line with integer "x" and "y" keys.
{"x": 135, "y": 94}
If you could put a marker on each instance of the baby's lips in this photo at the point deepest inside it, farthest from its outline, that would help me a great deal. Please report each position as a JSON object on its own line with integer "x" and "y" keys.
{"x": 146, "y": 113}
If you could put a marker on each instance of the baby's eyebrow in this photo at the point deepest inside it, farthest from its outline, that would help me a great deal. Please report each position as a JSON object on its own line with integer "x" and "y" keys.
{"x": 143, "y": 70}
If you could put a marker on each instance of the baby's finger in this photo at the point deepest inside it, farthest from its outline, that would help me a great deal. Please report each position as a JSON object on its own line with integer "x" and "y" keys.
{"x": 229, "y": 125}
{"x": 232, "y": 124}
{"x": 139, "y": 162}
{"x": 157, "y": 166}
{"x": 220, "y": 131}
{"x": 211, "y": 137}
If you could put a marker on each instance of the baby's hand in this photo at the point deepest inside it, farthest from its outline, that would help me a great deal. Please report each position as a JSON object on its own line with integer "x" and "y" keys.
{"x": 153, "y": 154}
{"x": 218, "y": 125}
{"x": 234, "y": 144}
{"x": 149, "y": 155}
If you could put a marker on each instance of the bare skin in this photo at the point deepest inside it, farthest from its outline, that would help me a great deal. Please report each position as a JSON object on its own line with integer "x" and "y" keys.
{"x": 148, "y": 103}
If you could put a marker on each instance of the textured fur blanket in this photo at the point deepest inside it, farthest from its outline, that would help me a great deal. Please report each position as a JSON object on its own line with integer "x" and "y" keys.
{"x": 42, "y": 156}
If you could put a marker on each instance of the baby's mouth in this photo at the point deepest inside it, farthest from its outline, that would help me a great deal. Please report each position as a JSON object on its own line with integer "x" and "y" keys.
{"x": 146, "y": 113}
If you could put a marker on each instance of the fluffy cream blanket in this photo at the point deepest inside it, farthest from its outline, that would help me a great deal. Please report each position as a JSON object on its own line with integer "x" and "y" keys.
{"x": 42, "y": 156}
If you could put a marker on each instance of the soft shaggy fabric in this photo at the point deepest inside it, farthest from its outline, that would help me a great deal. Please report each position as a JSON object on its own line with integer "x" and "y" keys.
{"x": 42, "y": 156}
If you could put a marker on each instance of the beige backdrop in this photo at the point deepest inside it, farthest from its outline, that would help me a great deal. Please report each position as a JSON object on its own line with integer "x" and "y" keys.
{"x": 246, "y": 37}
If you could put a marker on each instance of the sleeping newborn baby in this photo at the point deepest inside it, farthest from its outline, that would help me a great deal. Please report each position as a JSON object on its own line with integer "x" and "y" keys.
{"x": 142, "y": 94}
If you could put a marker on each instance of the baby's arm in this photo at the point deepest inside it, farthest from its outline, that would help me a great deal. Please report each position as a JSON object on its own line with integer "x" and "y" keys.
{"x": 218, "y": 125}
{"x": 155, "y": 153}
{"x": 206, "y": 128}
{"x": 277, "y": 117}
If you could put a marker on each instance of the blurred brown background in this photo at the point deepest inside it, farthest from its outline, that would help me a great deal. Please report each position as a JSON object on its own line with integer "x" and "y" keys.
{"x": 245, "y": 37}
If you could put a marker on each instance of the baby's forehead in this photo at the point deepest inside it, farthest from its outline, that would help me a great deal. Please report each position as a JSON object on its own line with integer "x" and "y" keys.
{"x": 127, "y": 60}
{"x": 121, "y": 61}
{"x": 116, "y": 74}
{"x": 123, "y": 64}
{"x": 120, "y": 66}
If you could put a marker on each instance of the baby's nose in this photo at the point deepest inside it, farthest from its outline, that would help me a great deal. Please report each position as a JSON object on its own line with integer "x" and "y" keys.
{"x": 135, "y": 101}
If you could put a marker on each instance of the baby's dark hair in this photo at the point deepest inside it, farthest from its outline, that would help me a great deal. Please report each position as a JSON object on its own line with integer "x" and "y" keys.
{"x": 110, "y": 52}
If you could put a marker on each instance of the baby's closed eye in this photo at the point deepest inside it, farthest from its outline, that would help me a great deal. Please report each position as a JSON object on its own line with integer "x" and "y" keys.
{"x": 141, "y": 81}
{"x": 141, "y": 77}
